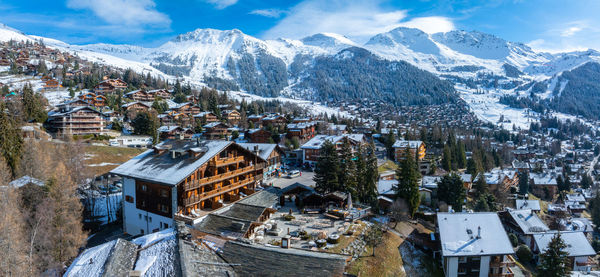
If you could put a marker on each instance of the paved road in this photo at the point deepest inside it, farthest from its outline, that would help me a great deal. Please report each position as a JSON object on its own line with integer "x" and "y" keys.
{"x": 305, "y": 179}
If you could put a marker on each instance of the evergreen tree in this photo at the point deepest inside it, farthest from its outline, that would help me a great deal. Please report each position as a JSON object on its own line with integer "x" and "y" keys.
{"x": 179, "y": 98}
{"x": 480, "y": 185}
{"x": 553, "y": 262}
{"x": 452, "y": 191}
{"x": 461, "y": 155}
{"x": 11, "y": 142}
{"x": 347, "y": 174}
{"x": 367, "y": 175}
{"x": 523, "y": 183}
{"x": 389, "y": 144}
{"x": 146, "y": 123}
{"x": 408, "y": 182}
{"x": 447, "y": 159}
{"x": 326, "y": 169}
{"x": 586, "y": 181}
{"x": 33, "y": 106}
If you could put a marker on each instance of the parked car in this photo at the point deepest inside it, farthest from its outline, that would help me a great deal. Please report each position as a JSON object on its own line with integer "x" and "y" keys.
{"x": 294, "y": 174}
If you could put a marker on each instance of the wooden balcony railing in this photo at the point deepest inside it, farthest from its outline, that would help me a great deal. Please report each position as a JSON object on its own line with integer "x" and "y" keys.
{"x": 226, "y": 161}
{"x": 212, "y": 179}
{"x": 195, "y": 199}
{"x": 510, "y": 261}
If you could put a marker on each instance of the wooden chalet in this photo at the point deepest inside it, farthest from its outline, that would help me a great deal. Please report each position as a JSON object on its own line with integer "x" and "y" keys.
{"x": 180, "y": 178}
{"x": 233, "y": 117}
{"x": 94, "y": 100}
{"x": 216, "y": 130}
{"x": 206, "y": 117}
{"x": 258, "y": 136}
{"x": 110, "y": 86}
{"x": 136, "y": 107}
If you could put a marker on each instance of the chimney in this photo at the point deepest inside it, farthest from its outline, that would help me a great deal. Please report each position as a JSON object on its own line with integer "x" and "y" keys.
{"x": 478, "y": 232}
{"x": 181, "y": 136}
{"x": 173, "y": 154}
{"x": 256, "y": 151}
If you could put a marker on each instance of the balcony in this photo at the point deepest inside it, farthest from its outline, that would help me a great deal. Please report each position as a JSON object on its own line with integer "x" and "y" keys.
{"x": 212, "y": 179}
{"x": 195, "y": 199}
{"x": 508, "y": 273}
{"x": 226, "y": 161}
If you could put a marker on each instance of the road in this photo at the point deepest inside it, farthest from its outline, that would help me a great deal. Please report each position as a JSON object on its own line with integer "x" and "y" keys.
{"x": 306, "y": 179}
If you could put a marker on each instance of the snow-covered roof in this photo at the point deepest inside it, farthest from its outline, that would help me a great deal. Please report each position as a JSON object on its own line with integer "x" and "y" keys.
{"x": 17, "y": 183}
{"x": 318, "y": 141}
{"x": 430, "y": 182}
{"x": 162, "y": 168}
{"x": 543, "y": 179}
{"x": 167, "y": 129}
{"x": 412, "y": 144}
{"x": 576, "y": 197}
{"x": 264, "y": 149}
{"x": 528, "y": 221}
{"x": 472, "y": 234}
{"x": 386, "y": 186}
{"x": 577, "y": 243}
{"x": 527, "y": 204}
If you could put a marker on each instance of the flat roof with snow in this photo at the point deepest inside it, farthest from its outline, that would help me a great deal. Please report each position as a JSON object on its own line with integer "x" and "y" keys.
{"x": 472, "y": 234}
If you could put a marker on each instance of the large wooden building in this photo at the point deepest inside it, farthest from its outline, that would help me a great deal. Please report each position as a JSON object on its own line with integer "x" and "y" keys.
{"x": 182, "y": 178}
{"x": 76, "y": 121}
{"x": 417, "y": 148}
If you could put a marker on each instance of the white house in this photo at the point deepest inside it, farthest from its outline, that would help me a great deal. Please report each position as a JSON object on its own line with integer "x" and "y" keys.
{"x": 474, "y": 244}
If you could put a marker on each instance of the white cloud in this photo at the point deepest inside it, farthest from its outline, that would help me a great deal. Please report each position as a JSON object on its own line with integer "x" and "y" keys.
{"x": 431, "y": 24}
{"x": 356, "y": 19}
{"x": 274, "y": 13}
{"x": 570, "y": 31}
{"x": 124, "y": 12}
{"x": 221, "y": 4}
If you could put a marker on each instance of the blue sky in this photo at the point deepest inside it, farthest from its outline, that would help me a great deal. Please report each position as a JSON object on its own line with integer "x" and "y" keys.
{"x": 550, "y": 25}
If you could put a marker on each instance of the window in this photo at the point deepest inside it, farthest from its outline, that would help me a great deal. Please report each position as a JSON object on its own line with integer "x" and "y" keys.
{"x": 140, "y": 216}
{"x": 129, "y": 198}
{"x": 146, "y": 218}
{"x": 143, "y": 203}
{"x": 144, "y": 188}
{"x": 163, "y": 208}
{"x": 462, "y": 271}
{"x": 165, "y": 225}
{"x": 462, "y": 259}
{"x": 164, "y": 193}
{"x": 150, "y": 219}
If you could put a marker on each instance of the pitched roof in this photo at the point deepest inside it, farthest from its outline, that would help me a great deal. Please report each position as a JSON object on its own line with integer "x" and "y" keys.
{"x": 577, "y": 243}
{"x": 528, "y": 221}
{"x": 162, "y": 168}
{"x": 413, "y": 144}
{"x": 459, "y": 234}
{"x": 264, "y": 149}
{"x": 223, "y": 226}
{"x": 17, "y": 183}
{"x": 268, "y": 197}
{"x": 258, "y": 260}
{"x": 527, "y": 204}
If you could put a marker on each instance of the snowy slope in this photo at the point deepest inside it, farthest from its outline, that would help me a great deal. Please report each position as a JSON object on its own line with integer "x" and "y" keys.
{"x": 8, "y": 33}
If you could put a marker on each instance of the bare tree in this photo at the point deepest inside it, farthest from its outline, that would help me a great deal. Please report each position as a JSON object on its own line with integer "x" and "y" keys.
{"x": 61, "y": 234}
{"x": 399, "y": 211}
{"x": 14, "y": 260}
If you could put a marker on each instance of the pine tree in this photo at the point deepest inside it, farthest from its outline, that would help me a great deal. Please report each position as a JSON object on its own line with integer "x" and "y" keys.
{"x": 480, "y": 186}
{"x": 11, "y": 142}
{"x": 348, "y": 173}
{"x": 326, "y": 169}
{"x": 408, "y": 182}
{"x": 523, "y": 183}
{"x": 447, "y": 159}
{"x": 367, "y": 175}
{"x": 553, "y": 262}
{"x": 452, "y": 191}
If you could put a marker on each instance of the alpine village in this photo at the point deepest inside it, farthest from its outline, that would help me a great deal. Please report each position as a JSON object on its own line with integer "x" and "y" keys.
{"x": 108, "y": 170}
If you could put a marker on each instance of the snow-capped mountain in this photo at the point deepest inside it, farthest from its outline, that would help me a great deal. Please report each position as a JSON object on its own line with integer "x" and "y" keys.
{"x": 232, "y": 60}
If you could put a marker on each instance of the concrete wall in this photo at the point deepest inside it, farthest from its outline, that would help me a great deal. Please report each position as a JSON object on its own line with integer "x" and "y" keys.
{"x": 484, "y": 267}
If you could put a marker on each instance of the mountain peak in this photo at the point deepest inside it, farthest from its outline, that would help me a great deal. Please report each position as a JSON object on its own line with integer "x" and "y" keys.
{"x": 328, "y": 40}
{"x": 208, "y": 34}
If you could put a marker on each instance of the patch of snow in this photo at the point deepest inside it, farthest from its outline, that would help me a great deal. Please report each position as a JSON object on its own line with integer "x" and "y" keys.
{"x": 91, "y": 262}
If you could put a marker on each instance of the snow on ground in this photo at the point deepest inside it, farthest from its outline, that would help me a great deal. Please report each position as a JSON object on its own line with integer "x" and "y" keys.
{"x": 103, "y": 204}
{"x": 102, "y": 164}
{"x": 91, "y": 261}
{"x": 412, "y": 260}
{"x": 488, "y": 108}
{"x": 312, "y": 107}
